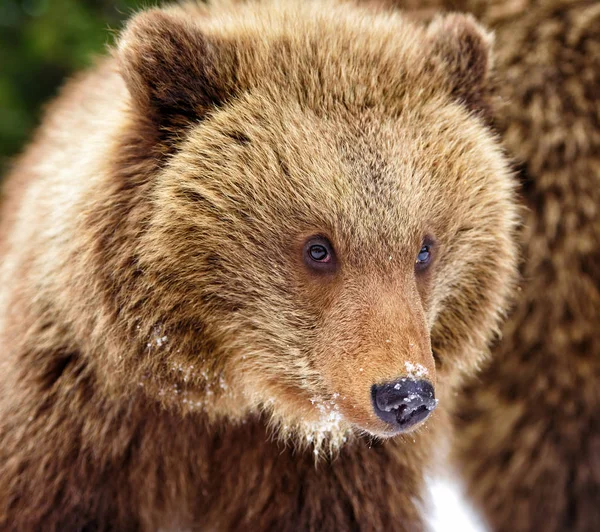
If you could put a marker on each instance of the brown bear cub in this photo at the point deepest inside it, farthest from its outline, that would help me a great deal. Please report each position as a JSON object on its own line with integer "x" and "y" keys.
{"x": 256, "y": 238}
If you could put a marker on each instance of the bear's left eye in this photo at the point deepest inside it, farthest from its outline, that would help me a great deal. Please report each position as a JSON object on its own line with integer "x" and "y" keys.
{"x": 425, "y": 254}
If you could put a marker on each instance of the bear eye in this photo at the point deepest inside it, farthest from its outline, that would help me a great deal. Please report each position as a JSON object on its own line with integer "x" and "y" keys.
{"x": 425, "y": 255}
{"x": 318, "y": 254}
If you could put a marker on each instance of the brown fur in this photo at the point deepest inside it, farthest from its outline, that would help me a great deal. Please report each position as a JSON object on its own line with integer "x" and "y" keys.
{"x": 528, "y": 435}
{"x": 167, "y": 359}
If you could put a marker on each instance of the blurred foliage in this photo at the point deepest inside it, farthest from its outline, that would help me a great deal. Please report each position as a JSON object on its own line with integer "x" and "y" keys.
{"x": 42, "y": 42}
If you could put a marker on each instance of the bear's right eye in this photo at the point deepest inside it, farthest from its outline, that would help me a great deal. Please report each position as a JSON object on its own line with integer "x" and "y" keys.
{"x": 319, "y": 255}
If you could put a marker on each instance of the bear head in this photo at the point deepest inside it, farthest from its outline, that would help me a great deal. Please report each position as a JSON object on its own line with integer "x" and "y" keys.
{"x": 328, "y": 228}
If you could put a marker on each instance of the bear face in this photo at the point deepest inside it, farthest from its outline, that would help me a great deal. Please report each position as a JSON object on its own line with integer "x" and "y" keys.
{"x": 327, "y": 214}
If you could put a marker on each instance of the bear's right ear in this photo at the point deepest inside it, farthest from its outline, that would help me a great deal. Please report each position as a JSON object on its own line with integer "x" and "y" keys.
{"x": 173, "y": 72}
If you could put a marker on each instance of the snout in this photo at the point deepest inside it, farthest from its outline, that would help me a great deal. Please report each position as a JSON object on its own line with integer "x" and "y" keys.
{"x": 404, "y": 403}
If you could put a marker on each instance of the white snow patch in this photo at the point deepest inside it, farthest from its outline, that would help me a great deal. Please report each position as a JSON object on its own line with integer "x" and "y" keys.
{"x": 415, "y": 370}
{"x": 223, "y": 383}
{"x": 330, "y": 415}
{"x": 186, "y": 372}
{"x": 446, "y": 507}
{"x": 159, "y": 338}
{"x": 328, "y": 429}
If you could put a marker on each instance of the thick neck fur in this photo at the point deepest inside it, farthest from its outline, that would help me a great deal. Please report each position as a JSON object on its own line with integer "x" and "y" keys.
{"x": 173, "y": 472}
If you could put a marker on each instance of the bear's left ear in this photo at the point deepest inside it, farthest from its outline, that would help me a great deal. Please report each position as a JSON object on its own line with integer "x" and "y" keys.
{"x": 173, "y": 71}
{"x": 465, "y": 50}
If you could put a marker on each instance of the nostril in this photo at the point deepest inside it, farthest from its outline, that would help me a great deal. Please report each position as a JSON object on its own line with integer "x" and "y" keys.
{"x": 403, "y": 403}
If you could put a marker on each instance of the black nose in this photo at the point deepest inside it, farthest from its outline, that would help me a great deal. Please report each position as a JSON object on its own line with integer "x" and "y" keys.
{"x": 403, "y": 403}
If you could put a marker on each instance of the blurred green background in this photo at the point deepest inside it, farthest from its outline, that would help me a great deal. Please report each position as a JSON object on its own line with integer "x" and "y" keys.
{"x": 41, "y": 43}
